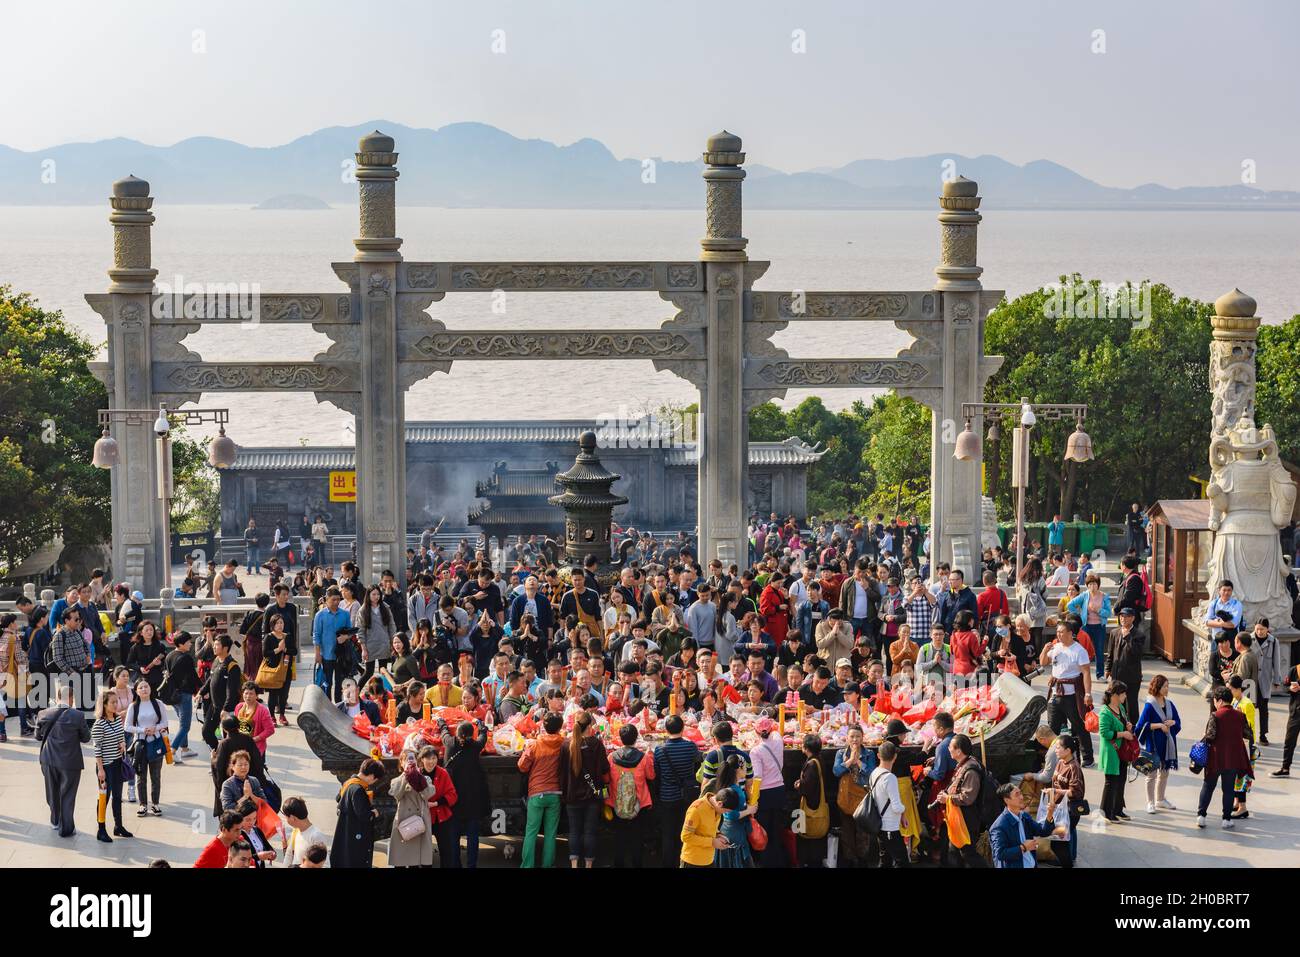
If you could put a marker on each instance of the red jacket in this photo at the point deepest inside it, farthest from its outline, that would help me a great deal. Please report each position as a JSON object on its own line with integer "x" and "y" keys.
{"x": 641, "y": 774}
{"x": 214, "y": 855}
{"x": 967, "y": 646}
{"x": 1228, "y": 749}
{"x": 992, "y": 601}
{"x": 776, "y": 622}
{"x": 443, "y": 795}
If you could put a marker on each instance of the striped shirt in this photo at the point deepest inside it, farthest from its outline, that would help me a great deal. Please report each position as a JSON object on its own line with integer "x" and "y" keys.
{"x": 107, "y": 737}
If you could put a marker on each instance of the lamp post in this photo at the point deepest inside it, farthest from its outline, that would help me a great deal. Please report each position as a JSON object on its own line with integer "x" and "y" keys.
{"x": 1077, "y": 449}
{"x": 221, "y": 454}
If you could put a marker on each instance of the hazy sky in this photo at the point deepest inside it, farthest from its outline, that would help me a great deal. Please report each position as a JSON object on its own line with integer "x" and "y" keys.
{"x": 1183, "y": 94}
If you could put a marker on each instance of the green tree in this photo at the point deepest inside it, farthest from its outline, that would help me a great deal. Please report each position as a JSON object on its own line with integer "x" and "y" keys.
{"x": 196, "y": 502}
{"x": 1144, "y": 379}
{"x": 48, "y": 406}
{"x": 1277, "y": 403}
{"x": 898, "y": 455}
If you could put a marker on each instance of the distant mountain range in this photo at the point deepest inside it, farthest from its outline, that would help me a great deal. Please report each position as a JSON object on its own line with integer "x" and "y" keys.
{"x": 475, "y": 165}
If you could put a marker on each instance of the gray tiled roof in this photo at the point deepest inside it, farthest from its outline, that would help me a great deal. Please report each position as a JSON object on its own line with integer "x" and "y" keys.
{"x": 792, "y": 451}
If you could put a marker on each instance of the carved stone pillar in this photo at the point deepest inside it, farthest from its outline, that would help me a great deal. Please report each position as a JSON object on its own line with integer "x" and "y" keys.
{"x": 380, "y": 422}
{"x": 724, "y": 426}
{"x": 1232, "y": 361}
{"x": 138, "y": 549}
{"x": 955, "y": 485}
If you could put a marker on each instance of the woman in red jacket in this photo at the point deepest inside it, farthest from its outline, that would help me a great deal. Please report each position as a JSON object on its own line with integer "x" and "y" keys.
{"x": 1226, "y": 733}
{"x": 774, "y": 606}
{"x": 967, "y": 646}
{"x": 442, "y": 798}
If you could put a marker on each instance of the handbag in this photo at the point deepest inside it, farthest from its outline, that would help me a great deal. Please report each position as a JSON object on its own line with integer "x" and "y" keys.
{"x": 128, "y": 769}
{"x": 850, "y": 796}
{"x": 1129, "y": 750}
{"x": 411, "y": 827}
{"x": 1198, "y": 756}
{"x": 817, "y": 822}
{"x": 319, "y": 679}
{"x": 1144, "y": 763}
{"x": 272, "y": 679}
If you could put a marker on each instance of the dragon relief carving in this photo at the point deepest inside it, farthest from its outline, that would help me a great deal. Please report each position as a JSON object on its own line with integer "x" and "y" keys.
{"x": 553, "y": 275}
{"x": 819, "y": 372}
{"x": 552, "y": 345}
{"x": 290, "y": 308}
{"x": 826, "y": 305}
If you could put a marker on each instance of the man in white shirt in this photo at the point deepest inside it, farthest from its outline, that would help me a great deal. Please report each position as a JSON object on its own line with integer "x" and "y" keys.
{"x": 799, "y": 588}
{"x": 1070, "y": 691}
{"x": 302, "y": 832}
{"x": 1060, "y": 572}
{"x": 883, "y": 785}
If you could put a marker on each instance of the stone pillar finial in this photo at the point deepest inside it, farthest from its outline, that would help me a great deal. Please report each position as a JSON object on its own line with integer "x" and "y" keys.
{"x": 1232, "y": 361}
{"x": 376, "y": 174}
{"x": 723, "y": 241}
{"x": 957, "y": 269}
{"x": 131, "y": 219}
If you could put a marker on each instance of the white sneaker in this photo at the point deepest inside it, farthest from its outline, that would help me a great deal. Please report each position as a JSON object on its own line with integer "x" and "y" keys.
{"x": 1227, "y": 825}
{"x": 1151, "y": 808}
{"x": 1200, "y": 820}
{"x": 1167, "y": 805}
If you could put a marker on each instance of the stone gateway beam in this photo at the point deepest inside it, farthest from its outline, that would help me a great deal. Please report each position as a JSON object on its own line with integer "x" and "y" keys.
{"x": 384, "y": 339}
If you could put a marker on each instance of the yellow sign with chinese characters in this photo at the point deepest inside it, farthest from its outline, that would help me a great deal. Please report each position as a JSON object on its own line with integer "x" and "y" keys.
{"x": 343, "y": 486}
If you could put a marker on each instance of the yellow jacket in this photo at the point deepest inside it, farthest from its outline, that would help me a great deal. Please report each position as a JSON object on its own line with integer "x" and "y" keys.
{"x": 698, "y": 831}
{"x": 434, "y": 695}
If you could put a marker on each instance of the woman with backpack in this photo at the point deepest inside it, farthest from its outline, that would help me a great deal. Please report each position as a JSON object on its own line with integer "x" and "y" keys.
{"x": 146, "y": 720}
{"x": 630, "y": 770}
{"x": 1031, "y": 590}
{"x": 586, "y": 771}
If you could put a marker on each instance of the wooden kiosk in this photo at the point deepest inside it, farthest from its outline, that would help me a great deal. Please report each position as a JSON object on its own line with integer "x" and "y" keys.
{"x": 1179, "y": 569}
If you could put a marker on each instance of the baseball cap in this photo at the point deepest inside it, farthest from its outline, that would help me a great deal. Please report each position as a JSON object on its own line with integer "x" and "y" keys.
{"x": 844, "y": 663}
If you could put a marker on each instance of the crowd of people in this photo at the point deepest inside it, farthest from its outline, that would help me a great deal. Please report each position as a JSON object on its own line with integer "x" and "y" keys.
{"x": 832, "y": 619}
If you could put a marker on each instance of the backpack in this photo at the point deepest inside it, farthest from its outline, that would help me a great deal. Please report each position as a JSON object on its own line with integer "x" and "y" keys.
{"x": 1033, "y": 604}
{"x": 988, "y": 802}
{"x": 626, "y": 804}
{"x": 868, "y": 815}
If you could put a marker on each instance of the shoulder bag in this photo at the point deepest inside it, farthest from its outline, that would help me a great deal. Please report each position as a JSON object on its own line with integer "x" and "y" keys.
{"x": 817, "y": 822}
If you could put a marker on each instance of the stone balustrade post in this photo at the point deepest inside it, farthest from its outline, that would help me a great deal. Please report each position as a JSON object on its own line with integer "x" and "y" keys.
{"x": 380, "y": 423}
{"x": 724, "y": 426}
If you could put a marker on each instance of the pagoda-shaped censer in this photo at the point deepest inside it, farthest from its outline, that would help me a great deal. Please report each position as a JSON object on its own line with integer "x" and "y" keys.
{"x": 588, "y": 506}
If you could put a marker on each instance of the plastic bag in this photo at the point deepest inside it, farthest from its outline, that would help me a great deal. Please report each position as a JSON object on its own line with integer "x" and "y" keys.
{"x": 1091, "y": 723}
{"x": 1060, "y": 817}
{"x": 507, "y": 741}
{"x": 958, "y": 834}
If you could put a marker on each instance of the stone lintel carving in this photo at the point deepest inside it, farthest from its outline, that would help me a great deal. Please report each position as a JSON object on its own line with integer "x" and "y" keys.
{"x": 349, "y": 402}
{"x": 553, "y": 344}
{"x": 551, "y": 276}
{"x": 798, "y": 304}
{"x": 409, "y": 373}
{"x": 245, "y": 307}
{"x": 832, "y": 373}
{"x": 349, "y": 273}
{"x": 411, "y": 312}
{"x": 256, "y": 377}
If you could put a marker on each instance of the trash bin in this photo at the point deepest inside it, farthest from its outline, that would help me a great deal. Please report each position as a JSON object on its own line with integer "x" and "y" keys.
{"x": 1087, "y": 539}
{"x": 1070, "y": 537}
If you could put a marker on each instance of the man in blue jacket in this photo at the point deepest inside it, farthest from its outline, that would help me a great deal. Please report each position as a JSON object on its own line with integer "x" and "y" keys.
{"x": 1013, "y": 838}
{"x": 329, "y": 621}
{"x": 957, "y": 598}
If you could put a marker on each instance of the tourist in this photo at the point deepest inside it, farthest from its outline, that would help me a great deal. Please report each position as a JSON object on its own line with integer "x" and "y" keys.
{"x": 233, "y": 741}
{"x": 14, "y": 669}
{"x": 966, "y": 643}
{"x": 1069, "y": 693}
{"x": 902, "y": 650}
{"x": 240, "y": 785}
{"x": 303, "y": 835}
{"x": 811, "y": 788}
{"x": 1226, "y": 734}
{"x": 146, "y": 721}
{"x": 1068, "y": 785}
{"x": 275, "y": 674}
{"x": 1241, "y": 702}
{"x": 963, "y": 792}
{"x": 1291, "y": 681}
{"x": 1013, "y": 837}
{"x": 217, "y": 853}
{"x": 1124, "y": 650}
{"x": 179, "y": 686}
{"x": 883, "y": 788}
{"x": 1114, "y": 728}
{"x": 70, "y": 648}
{"x": 859, "y": 601}
{"x": 221, "y": 692}
{"x": 329, "y": 622}
{"x": 1031, "y": 589}
{"x": 586, "y": 771}
{"x": 736, "y": 813}
{"x": 934, "y": 659}
{"x": 700, "y": 840}
{"x": 255, "y": 718}
{"x": 465, "y": 766}
{"x": 853, "y": 767}
{"x": 629, "y": 799}
{"x": 543, "y": 763}
{"x": 1157, "y": 731}
{"x": 410, "y": 843}
{"x": 61, "y": 731}
{"x": 376, "y": 629}
{"x": 834, "y": 636}
{"x": 1093, "y": 608}
{"x": 991, "y": 603}
{"x": 110, "y": 748}
{"x": 1269, "y": 653}
{"x": 262, "y": 854}
{"x": 957, "y": 598}
{"x": 354, "y": 840}
{"x": 675, "y": 762}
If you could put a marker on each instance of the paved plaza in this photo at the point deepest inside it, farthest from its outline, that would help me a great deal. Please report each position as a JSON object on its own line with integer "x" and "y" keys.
{"x": 1270, "y": 837}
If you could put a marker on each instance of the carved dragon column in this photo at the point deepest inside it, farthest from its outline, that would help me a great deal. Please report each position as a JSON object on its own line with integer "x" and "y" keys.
{"x": 138, "y": 551}
{"x": 380, "y": 422}
{"x": 955, "y": 486}
{"x": 724, "y": 427}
